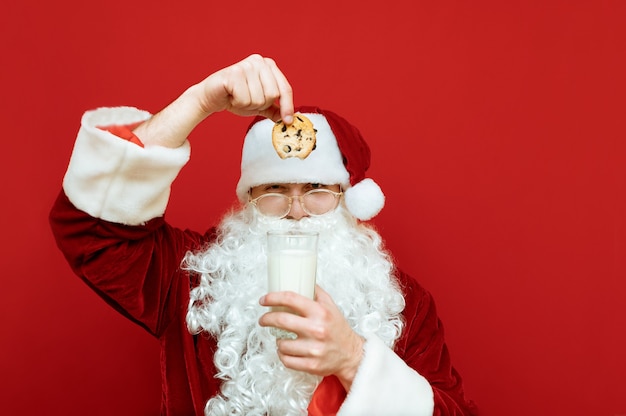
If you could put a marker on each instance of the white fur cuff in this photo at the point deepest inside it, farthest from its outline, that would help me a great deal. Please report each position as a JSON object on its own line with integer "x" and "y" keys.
{"x": 115, "y": 180}
{"x": 386, "y": 386}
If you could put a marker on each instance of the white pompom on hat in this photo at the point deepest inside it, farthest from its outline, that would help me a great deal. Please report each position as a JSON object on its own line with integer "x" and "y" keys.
{"x": 341, "y": 156}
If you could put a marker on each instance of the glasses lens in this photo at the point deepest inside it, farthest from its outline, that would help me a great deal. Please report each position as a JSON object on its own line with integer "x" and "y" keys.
{"x": 319, "y": 201}
{"x": 273, "y": 205}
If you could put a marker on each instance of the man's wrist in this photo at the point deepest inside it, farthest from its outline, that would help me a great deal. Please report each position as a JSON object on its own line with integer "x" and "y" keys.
{"x": 171, "y": 126}
{"x": 348, "y": 373}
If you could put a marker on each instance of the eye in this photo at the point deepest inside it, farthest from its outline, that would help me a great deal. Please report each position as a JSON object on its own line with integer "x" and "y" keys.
{"x": 274, "y": 187}
{"x": 311, "y": 186}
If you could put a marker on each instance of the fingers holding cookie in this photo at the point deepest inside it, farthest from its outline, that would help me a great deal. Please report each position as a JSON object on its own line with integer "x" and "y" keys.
{"x": 275, "y": 83}
{"x": 285, "y": 99}
{"x": 253, "y": 86}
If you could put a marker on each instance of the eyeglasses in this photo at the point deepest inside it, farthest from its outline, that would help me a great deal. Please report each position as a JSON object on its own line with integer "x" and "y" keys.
{"x": 314, "y": 202}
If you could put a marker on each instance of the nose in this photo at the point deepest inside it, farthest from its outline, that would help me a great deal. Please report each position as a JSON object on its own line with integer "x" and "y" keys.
{"x": 296, "y": 212}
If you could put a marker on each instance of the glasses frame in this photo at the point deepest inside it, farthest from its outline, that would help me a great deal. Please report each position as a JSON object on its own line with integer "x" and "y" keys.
{"x": 300, "y": 199}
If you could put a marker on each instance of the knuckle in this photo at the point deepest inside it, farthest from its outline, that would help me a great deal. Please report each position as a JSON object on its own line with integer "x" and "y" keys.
{"x": 314, "y": 366}
{"x": 319, "y": 332}
{"x": 326, "y": 315}
{"x": 238, "y": 70}
{"x": 316, "y": 352}
{"x": 252, "y": 60}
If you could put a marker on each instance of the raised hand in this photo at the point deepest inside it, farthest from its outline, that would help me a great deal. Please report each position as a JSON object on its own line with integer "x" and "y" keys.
{"x": 253, "y": 86}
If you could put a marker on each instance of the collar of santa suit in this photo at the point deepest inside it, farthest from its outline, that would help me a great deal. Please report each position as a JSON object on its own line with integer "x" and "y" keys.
{"x": 327, "y": 397}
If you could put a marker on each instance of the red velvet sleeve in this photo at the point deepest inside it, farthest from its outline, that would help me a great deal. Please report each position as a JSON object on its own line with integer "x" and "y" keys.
{"x": 423, "y": 348}
{"x": 133, "y": 268}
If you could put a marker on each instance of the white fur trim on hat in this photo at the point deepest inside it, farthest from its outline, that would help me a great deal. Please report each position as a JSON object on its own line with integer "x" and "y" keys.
{"x": 260, "y": 164}
{"x": 365, "y": 199}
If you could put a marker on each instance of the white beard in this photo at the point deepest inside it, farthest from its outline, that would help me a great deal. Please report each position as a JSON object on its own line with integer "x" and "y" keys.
{"x": 352, "y": 268}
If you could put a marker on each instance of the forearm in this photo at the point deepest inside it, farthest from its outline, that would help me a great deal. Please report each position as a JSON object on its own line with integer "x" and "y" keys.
{"x": 352, "y": 363}
{"x": 171, "y": 126}
{"x": 133, "y": 268}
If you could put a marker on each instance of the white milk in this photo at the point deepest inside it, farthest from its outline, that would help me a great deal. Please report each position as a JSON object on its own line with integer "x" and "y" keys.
{"x": 292, "y": 269}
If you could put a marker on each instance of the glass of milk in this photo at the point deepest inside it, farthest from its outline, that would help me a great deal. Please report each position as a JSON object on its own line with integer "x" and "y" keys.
{"x": 291, "y": 263}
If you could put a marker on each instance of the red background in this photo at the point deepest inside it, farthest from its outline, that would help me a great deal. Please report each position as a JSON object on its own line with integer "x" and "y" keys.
{"x": 497, "y": 130}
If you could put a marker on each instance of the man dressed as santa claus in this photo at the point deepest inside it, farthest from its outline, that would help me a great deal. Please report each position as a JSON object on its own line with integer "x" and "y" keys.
{"x": 368, "y": 343}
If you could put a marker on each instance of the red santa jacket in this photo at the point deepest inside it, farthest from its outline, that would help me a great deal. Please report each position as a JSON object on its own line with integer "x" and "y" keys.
{"x": 135, "y": 269}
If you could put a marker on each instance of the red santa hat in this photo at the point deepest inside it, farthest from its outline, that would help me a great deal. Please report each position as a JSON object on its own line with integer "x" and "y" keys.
{"x": 341, "y": 156}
